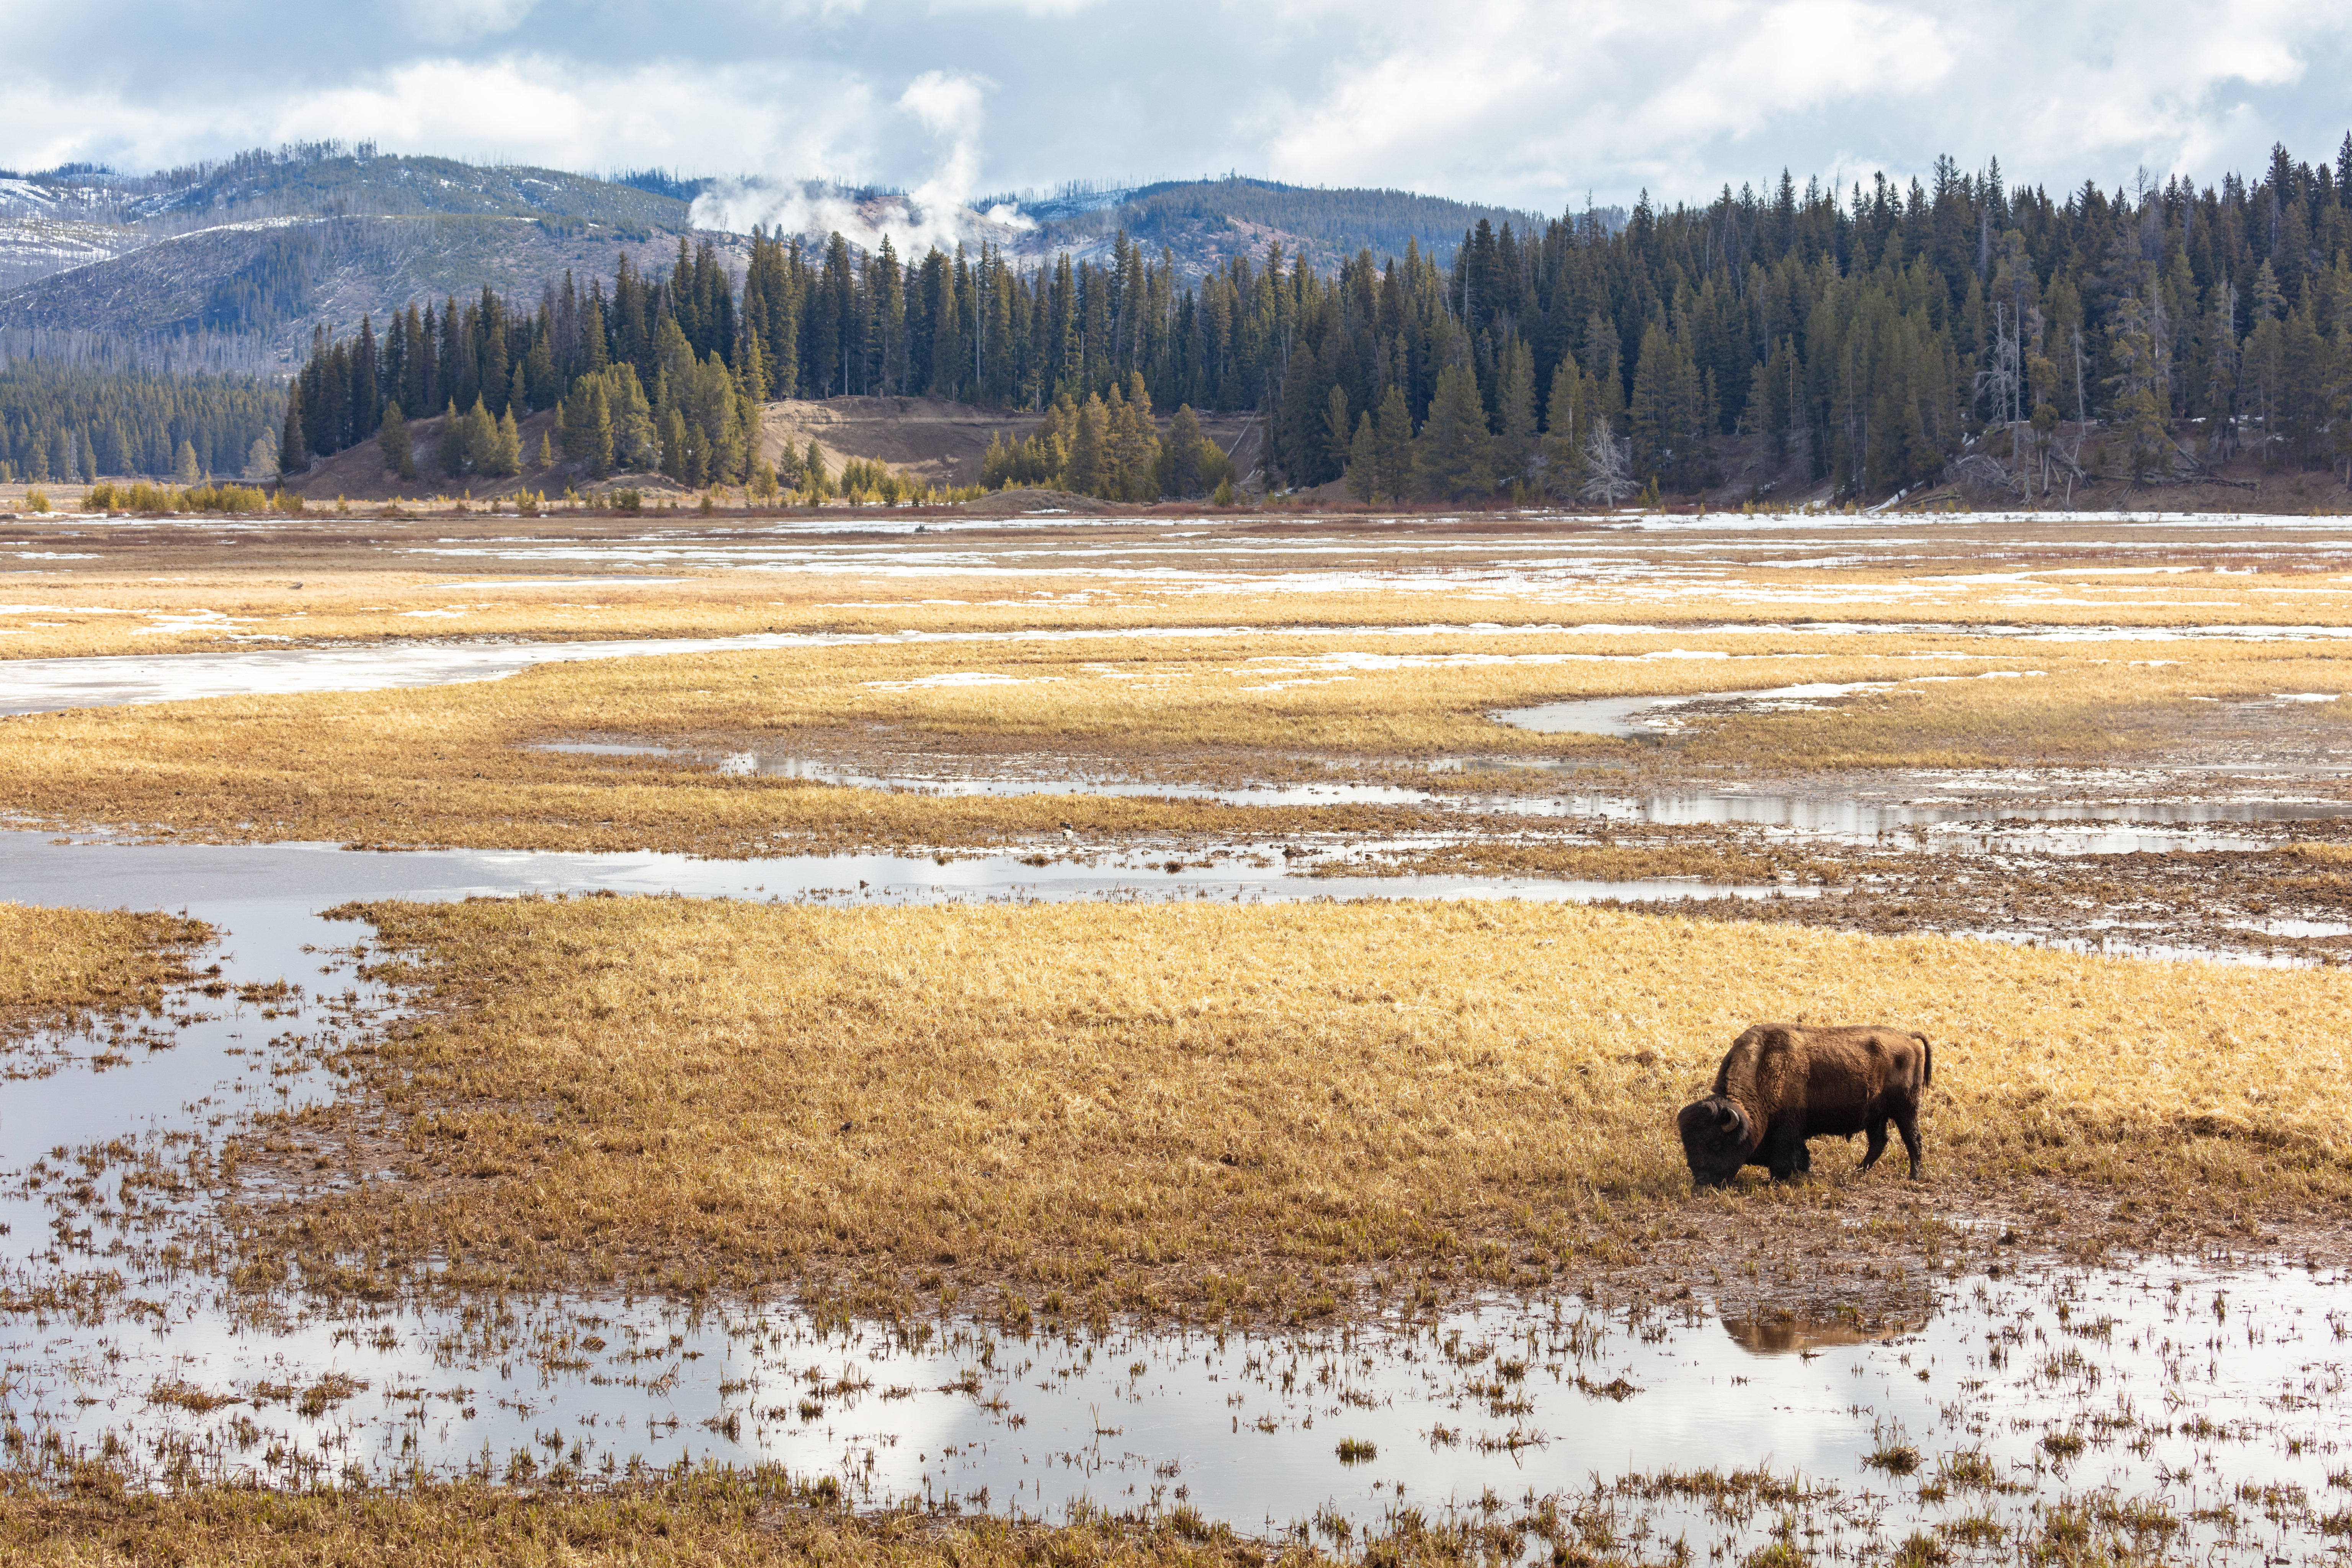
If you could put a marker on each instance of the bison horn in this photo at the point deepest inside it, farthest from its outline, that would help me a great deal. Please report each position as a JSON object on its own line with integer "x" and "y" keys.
{"x": 1726, "y": 1115}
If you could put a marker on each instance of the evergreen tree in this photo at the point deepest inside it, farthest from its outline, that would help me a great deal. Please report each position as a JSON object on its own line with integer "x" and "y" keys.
{"x": 1134, "y": 441}
{"x": 1565, "y": 419}
{"x": 293, "y": 455}
{"x": 450, "y": 456}
{"x": 1180, "y": 462}
{"x": 1086, "y": 468}
{"x": 1363, "y": 462}
{"x": 597, "y": 444}
{"x": 1338, "y": 431}
{"x": 185, "y": 466}
{"x": 392, "y": 440}
{"x": 1392, "y": 445}
{"x": 1514, "y": 436}
{"x": 504, "y": 460}
{"x": 1453, "y": 457}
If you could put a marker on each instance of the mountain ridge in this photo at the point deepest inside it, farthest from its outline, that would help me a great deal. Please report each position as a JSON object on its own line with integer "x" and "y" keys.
{"x": 91, "y": 250}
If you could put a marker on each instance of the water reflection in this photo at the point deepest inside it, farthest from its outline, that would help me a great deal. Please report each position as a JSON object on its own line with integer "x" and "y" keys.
{"x": 1029, "y": 1405}
{"x": 1785, "y": 1333}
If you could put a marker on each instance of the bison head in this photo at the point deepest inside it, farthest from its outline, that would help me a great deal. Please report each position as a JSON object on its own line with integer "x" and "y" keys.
{"x": 1716, "y": 1138}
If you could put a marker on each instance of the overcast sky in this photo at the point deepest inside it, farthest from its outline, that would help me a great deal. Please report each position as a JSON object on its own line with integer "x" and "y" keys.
{"x": 1530, "y": 104}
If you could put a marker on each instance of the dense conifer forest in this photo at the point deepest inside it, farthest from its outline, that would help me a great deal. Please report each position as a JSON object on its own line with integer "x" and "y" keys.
{"x": 66, "y": 421}
{"x": 1870, "y": 339}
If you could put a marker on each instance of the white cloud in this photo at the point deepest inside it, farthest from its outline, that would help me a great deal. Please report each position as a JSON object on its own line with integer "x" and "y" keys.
{"x": 1532, "y": 102}
{"x": 527, "y": 108}
{"x": 1026, "y": 7}
{"x": 1539, "y": 101}
{"x": 461, "y": 20}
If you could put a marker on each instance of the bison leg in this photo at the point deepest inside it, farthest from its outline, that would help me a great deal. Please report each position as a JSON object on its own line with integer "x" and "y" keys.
{"x": 1876, "y": 1134}
{"x": 1906, "y": 1123}
{"x": 1784, "y": 1149}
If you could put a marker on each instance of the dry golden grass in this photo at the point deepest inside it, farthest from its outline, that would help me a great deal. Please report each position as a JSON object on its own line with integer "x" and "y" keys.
{"x": 1670, "y": 854}
{"x": 60, "y": 968}
{"x": 448, "y": 766}
{"x": 172, "y": 596}
{"x": 1228, "y": 1110}
{"x": 712, "y": 1520}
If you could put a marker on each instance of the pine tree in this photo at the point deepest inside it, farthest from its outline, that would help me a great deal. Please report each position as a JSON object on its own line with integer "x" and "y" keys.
{"x": 451, "y": 455}
{"x": 1135, "y": 442}
{"x": 1514, "y": 436}
{"x": 2141, "y": 379}
{"x": 1453, "y": 457}
{"x": 636, "y": 442}
{"x": 1085, "y": 472}
{"x": 1180, "y": 461}
{"x": 293, "y": 455}
{"x": 597, "y": 441}
{"x": 185, "y": 466}
{"x": 1363, "y": 462}
{"x": 1565, "y": 417}
{"x": 506, "y": 447}
{"x": 477, "y": 439}
{"x": 1338, "y": 431}
{"x": 1393, "y": 445}
{"x": 392, "y": 440}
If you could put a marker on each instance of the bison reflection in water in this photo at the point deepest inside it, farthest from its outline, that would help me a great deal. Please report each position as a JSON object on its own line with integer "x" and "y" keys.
{"x": 1782, "y": 1083}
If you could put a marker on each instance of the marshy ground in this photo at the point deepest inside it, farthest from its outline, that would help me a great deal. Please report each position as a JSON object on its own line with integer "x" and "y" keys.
{"x": 963, "y": 1216}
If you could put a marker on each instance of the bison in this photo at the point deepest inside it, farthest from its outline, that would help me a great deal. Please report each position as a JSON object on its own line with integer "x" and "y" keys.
{"x": 1782, "y": 1083}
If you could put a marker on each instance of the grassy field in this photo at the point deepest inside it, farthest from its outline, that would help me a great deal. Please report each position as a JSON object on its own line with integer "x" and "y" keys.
{"x": 185, "y": 602}
{"x": 65, "y": 968}
{"x": 453, "y": 765}
{"x": 712, "y": 1521}
{"x": 1231, "y": 1113}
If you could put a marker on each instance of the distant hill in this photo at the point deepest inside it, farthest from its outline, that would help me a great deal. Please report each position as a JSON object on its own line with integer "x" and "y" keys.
{"x": 328, "y": 179}
{"x": 257, "y": 249}
{"x": 271, "y": 279}
{"x": 1204, "y": 221}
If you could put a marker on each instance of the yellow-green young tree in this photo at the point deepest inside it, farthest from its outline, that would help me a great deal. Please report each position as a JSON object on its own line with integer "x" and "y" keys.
{"x": 1132, "y": 452}
{"x": 477, "y": 439}
{"x": 450, "y": 453}
{"x": 392, "y": 442}
{"x": 504, "y": 460}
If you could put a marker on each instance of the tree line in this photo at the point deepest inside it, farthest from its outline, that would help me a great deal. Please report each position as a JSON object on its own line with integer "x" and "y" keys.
{"x": 65, "y": 422}
{"x": 1869, "y": 338}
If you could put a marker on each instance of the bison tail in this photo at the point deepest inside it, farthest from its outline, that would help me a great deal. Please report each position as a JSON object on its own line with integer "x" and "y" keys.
{"x": 1926, "y": 1059}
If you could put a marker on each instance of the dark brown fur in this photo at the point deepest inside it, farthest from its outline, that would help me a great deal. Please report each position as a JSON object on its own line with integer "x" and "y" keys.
{"x": 1782, "y": 1083}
